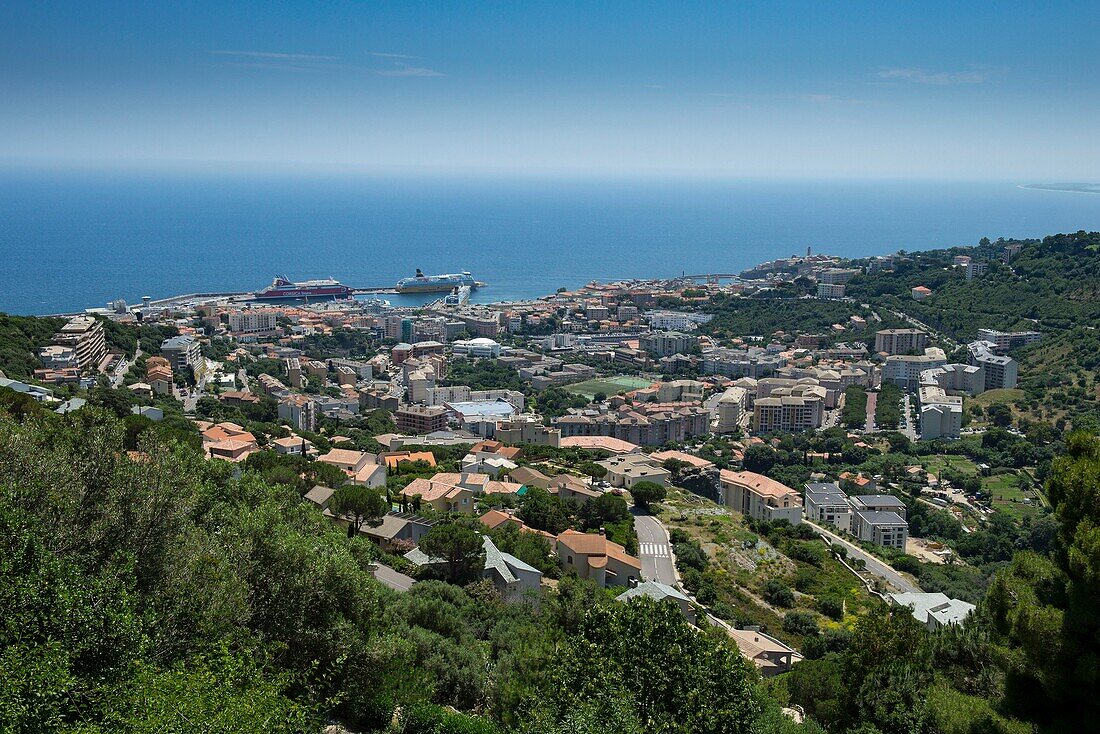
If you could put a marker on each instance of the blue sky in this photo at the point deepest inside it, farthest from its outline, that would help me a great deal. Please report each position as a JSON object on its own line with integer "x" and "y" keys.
{"x": 967, "y": 90}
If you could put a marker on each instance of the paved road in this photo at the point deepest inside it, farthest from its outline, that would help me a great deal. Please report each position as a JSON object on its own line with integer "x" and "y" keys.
{"x": 910, "y": 429}
{"x": 654, "y": 550}
{"x": 874, "y": 565}
{"x": 393, "y": 579}
{"x": 123, "y": 368}
{"x": 872, "y": 401}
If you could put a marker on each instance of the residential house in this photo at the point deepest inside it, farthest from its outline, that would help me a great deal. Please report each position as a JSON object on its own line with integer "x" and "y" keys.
{"x": 661, "y": 592}
{"x": 769, "y": 655}
{"x": 569, "y": 487}
{"x": 593, "y": 556}
{"x": 934, "y": 610}
{"x": 513, "y": 578}
{"x": 361, "y": 468}
{"x": 629, "y": 469}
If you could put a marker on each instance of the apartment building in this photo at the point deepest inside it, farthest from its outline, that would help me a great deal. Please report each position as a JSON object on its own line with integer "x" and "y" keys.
{"x": 253, "y": 321}
{"x": 520, "y": 430}
{"x": 837, "y": 276}
{"x": 299, "y": 411}
{"x": 955, "y": 378}
{"x": 183, "y": 351}
{"x": 752, "y": 362}
{"x": 881, "y": 528}
{"x": 831, "y": 291}
{"x": 998, "y": 371}
{"x": 647, "y": 424}
{"x": 788, "y": 408}
{"x": 676, "y": 320}
{"x": 1005, "y": 341}
{"x": 759, "y": 497}
{"x": 901, "y": 341}
{"x": 731, "y": 409}
{"x": 940, "y": 419}
{"x": 420, "y": 418}
{"x": 904, "y": 370}
{"x": 976, "y": 269}
{"x": 85, "y": 337}
{"x": 827, "y": 503}
{"x": 666, "y": 343}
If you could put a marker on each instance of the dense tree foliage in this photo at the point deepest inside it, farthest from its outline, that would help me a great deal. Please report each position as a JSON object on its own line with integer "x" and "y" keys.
{"x": 161, "y": 591}
{"x": 483, "y": 374}
{"x": 20, "y": 339}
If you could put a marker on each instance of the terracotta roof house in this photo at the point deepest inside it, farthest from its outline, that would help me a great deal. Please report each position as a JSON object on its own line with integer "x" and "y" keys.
{"x": 694, "y": 461}
{"x": 361, "y": 467}
{"x": 569, "y": 487}
{"x": 494, "y": 519}
{"x": 292, "y": 446}
{"x": 599, "y": 443}
{"x": 443, "y": 496}
{"x": 393, "y": 458}
{"x": 496, "y": 447}
{"x": 594, "y": 557}
{"x": 529, "y": 477}
{"x": 768, "y": 654}
{"x": 227, "y": 441}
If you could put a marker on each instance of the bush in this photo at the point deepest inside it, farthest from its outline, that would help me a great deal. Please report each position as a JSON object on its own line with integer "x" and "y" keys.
{"x": 801, "y": 622}
{"x": 806, "y": 551}
{"x": 690, "y": 555}
{"x": 778, "y": 593}
{"x": 831, "y": 606}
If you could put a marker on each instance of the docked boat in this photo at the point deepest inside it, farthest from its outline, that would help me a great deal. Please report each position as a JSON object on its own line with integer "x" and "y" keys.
{"x": 282, "y": 288}
{"x": 421, "y": 283}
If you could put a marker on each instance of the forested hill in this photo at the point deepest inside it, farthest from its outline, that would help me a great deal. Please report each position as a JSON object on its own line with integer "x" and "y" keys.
{"x": 1051, "y": 284}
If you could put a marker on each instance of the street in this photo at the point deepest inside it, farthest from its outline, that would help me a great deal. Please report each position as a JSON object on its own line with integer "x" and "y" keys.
{"x": 909, "y": 429}
{"x": 872, "y": 401}
{"x": 874, "y": 565}
{"x": 123, "y": 368}
{"x": 654, "y": 550}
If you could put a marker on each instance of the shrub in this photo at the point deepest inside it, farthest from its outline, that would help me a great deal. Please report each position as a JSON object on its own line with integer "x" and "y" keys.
{"x": 778, "y": 593}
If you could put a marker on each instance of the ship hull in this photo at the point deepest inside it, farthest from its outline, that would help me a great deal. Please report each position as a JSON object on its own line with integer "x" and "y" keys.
{"x": 302, "y": 293}
{"x": 426, "y": 288}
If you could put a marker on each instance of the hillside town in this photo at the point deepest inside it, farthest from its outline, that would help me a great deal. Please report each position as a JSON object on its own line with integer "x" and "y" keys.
{"x": 770, "y": 456}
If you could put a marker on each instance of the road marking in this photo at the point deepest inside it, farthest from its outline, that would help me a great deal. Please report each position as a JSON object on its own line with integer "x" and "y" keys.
{"x": 660, "y": 550}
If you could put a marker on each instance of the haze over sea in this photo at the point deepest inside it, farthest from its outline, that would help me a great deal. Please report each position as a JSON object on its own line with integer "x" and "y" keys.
{"x": 70, "y": 240}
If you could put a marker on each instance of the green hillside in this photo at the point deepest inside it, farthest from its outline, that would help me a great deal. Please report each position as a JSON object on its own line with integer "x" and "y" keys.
{"x": 20, "y": 339}
{"x": 1052, "y": 285}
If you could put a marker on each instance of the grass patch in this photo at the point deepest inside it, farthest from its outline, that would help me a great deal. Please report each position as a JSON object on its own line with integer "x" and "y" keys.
{"x": 1013, "y": 494}
{"x": 960, "y": 464}
{"x": 607, "y": 386}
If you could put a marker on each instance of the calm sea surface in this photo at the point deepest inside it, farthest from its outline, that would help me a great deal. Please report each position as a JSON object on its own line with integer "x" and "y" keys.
{"x": 69, "y": 241}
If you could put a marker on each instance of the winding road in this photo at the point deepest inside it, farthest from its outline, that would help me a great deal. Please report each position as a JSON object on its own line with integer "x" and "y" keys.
{"x": 655, "y": 550}
{"x": 874, "y": 565}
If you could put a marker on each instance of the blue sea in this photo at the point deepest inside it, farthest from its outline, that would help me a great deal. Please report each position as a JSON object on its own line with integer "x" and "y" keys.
{"x": 70, "y": 240}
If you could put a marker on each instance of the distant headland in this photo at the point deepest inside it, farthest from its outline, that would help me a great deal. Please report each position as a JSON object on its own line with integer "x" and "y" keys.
{"x": 1075, "y": 188}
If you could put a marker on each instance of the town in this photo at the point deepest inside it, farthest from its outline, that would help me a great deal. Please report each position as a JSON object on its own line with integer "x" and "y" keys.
{"x": 775, "y": 453}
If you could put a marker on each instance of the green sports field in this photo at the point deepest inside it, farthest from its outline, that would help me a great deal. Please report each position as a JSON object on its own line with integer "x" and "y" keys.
{"x": 607, "y": 386}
